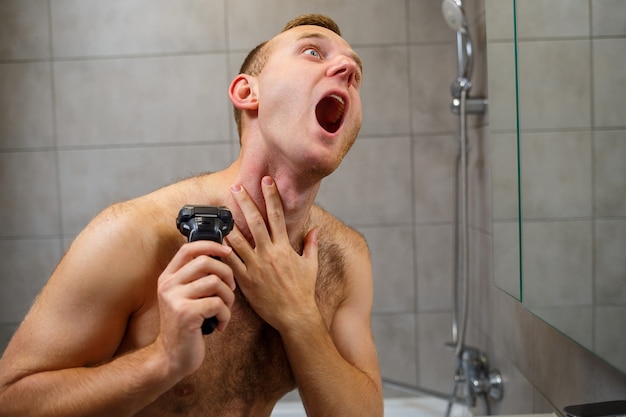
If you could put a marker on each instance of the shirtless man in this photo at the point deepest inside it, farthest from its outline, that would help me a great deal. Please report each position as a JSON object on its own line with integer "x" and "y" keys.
{"x": 116, "y": 330}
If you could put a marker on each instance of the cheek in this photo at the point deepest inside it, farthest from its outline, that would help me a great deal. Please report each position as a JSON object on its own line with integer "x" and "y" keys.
{"x": 357, "y": 115}
{"x": 278, "y": 105}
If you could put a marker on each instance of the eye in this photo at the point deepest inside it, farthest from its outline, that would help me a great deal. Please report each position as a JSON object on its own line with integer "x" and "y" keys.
{"x": 313, "y": 52}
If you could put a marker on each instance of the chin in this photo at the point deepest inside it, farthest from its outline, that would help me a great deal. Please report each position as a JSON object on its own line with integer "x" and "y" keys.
{"x": 316, "y": 169}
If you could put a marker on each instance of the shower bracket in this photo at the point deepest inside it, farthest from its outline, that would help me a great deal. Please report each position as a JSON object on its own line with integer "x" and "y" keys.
{"x": 473, "y": 105}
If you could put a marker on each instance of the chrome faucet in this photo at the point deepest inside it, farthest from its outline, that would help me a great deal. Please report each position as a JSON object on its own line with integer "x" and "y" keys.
{"x": 474, "y": 377}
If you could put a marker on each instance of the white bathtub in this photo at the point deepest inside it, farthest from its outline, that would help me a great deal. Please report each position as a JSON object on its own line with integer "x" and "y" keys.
{"x": 394, "y": 407}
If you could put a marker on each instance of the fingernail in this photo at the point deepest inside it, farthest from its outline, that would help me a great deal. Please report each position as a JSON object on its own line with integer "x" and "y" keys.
{"x": 235, "y": 188}
{"x": 268, "y": 180}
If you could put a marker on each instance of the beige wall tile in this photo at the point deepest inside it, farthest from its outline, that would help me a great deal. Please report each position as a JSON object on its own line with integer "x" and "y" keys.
{"x": 433, "y": 69}
{"x": 119, "y": 27}
{"x": 24, "y": 268}
{"x": 426, "y": 23}
{"x": 30, "y": 205}
{"x": 610, "y": 343}
{"x": 252, "y": 22}
{"x": 93, "y": 179}
{"x": 556, "y": 175}
{"x": 478, "y": 179}
{"x": 368, "y": 22}
{"x": 609, "y": 82}
{"x": 147, "y": 100}
{"x": 436, "y": 363}
{"x": 554, "y": 89}
{"x": 373, "y": 184}
{"x": 506, "y": 257}
{"x": 434, "y": 171}
{"x": 553, "y": 18}
{"x": 6, "y": 333}
{"x": 608, "y": 17}
{"x": 500, "y": 15}
{"x": 391, "y": 249}
{"x": 504, "y": 178}
{"x": 609, "y": 170}
{"x": 557, "y": 264}
{"x": 434, "y": 258}
{"x": 502, "y": 89}
{"x": 384, "y": 91}
{"x": 24, "y": 29}
{"x": 395, "y": 337}
{"x": 610, "y": 262}
{"x": 26, "y": 109}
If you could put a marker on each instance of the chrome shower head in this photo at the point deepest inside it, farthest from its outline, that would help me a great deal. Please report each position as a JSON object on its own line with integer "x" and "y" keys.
{"x": 455, "y": 18}
{"x": 453, "y": 13}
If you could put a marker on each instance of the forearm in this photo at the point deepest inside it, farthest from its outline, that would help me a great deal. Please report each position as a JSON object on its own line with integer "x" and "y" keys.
{"x": 122, "y": 387}
{"x": 328, "y": 384}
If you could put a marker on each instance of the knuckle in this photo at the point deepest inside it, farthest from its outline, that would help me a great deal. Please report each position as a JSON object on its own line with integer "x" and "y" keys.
{"x": 256, "y": 221}
{"x": 236, "y": 240}
{"x": 186, "y": 250}
{"x": 275, "y": 215}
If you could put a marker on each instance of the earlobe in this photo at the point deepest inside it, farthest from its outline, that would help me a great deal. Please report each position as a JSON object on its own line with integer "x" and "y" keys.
{"x": 242, "y": 92}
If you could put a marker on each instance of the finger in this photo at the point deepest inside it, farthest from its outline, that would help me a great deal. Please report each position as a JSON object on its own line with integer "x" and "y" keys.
{"x": 311, "y": 247}
{"x": 192, "y": 250}
{"x": 203, "y": 266}
{"x": 212, "y": 307}
{"x": 208, "y": 287}
{"x": 223, "y": 317}
{"x": 274, "y": 207}
{"x": 239, "y": 244}
{"x": 253, "y": 217}
{"x": 236, "y": 264}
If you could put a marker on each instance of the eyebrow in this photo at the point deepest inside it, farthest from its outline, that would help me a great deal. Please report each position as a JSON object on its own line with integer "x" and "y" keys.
{"x": 351, "y": 54}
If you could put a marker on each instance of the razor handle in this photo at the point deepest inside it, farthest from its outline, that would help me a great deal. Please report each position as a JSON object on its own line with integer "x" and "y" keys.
{"x": 205, "y": 223}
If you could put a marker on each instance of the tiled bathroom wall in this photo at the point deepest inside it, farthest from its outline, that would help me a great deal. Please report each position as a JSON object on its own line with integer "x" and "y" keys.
{"x": 103, "y": 101}
{"x": 572, "y": 145}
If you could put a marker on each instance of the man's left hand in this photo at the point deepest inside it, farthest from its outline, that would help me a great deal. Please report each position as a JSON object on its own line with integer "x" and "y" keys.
{"x": 278, "y": 282}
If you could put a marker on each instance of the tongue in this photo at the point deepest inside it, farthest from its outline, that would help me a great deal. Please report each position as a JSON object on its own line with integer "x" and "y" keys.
{"x": 329, "y": 112}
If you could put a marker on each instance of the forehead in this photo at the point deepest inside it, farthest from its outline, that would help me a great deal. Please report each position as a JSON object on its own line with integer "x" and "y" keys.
{"x": 311, "y": 32}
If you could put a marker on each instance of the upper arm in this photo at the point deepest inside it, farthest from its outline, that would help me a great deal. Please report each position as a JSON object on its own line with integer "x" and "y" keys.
{"x": 351, "y": 325}
{"x": 80, "y": 316}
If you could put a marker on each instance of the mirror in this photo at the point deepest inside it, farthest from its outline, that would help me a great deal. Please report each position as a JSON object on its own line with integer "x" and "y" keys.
{"x": 503, "y": 125}
{"x": 569, "y": 73}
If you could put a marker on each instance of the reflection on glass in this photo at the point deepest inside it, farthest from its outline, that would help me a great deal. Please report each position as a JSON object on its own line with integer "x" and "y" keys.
{"x": 504, "y": 145}
{"x": 572, "y": 150}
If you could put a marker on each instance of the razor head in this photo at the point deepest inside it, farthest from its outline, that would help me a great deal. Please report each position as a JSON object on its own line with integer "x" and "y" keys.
{"x": 205, "y": 222}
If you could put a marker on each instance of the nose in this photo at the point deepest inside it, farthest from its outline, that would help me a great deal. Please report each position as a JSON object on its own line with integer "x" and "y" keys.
{"x": 345, "y": 68}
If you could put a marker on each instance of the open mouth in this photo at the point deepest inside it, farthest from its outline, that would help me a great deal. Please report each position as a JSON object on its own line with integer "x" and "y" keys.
{"x": 329, "y": 112}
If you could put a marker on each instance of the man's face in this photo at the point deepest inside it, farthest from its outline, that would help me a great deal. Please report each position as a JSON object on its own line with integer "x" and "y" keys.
{"x": 309, "y": 101}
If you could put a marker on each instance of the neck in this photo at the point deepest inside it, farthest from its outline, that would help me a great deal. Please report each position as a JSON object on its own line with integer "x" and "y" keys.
{"x": 297, "y": 195}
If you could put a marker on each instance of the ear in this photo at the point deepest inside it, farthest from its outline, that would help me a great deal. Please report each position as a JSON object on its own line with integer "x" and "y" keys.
{"x": 242, "y": 92}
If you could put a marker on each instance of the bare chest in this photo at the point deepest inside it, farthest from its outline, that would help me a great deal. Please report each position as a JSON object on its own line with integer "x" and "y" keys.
{"x": 246, "y": 370}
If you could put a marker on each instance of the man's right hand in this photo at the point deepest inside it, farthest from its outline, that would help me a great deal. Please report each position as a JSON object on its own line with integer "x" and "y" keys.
{"x": 193, "y": 287}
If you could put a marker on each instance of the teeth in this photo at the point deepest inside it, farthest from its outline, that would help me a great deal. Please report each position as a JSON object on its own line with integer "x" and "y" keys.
{"x": 339, "y": 110}
{"x": 339, "y": 99}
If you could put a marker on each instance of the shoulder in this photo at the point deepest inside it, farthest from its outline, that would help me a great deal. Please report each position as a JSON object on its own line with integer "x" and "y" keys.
{"x": 143, "y": 230}
{"x": 337, "y": 229}
{"x": 332, "y": 231}
{"x": 132, "y": 234}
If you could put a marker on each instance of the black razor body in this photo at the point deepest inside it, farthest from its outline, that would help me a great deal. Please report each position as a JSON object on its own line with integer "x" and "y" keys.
{"x": 205, "y": 223}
